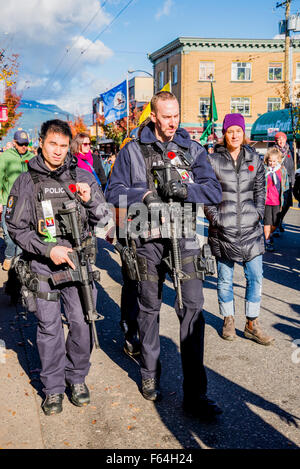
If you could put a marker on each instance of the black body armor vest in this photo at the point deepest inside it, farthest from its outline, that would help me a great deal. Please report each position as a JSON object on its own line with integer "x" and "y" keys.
{"x": 50, "y": 194}
{"x": 154, "y": 157}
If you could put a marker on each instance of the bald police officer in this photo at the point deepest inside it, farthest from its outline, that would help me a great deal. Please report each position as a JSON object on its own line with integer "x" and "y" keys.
{"x": 132, "y": 182}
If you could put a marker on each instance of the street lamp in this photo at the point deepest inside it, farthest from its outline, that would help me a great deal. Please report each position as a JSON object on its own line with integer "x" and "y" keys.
{"x": 144, "y": 71}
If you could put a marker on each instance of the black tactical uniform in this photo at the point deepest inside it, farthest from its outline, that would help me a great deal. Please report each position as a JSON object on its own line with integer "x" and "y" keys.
{"x": 131, "y": 179}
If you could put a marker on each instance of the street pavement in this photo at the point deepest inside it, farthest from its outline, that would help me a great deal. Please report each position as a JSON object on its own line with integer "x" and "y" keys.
{"x": 256, "y": 386}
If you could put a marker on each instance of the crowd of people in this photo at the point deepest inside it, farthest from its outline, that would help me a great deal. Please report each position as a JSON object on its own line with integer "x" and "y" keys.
{"x": 152, "y": 178}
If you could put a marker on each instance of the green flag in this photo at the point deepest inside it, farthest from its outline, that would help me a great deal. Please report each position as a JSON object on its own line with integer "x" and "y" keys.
{"x": 206, "y": 133}
{"x": 213, "y": 116}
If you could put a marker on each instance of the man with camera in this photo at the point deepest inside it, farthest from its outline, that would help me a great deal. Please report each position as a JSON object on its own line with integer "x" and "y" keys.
{"x": 159, "y": 174}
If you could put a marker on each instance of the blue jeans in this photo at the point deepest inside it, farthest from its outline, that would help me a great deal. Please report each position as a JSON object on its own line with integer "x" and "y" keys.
{"x": 253, "y": 271}
{"x": 11, "y": 249}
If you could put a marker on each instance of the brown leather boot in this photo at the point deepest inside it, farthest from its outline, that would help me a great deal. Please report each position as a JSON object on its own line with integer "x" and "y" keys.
{"x": 6, "y": 264}
{"x": 228, "y": 331}
{"x": 254, "y": 332}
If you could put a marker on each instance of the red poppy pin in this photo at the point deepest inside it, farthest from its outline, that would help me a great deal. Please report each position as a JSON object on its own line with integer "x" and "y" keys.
{"x": 72, "y": 188}
{"x": 171, "y": 155}
{"x": 26, "y": 161}
{"x": 251, "y": 168}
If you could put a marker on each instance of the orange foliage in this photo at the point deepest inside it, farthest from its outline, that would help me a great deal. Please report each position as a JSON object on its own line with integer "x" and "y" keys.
{"x": 12, "y": 101}
{"x": 78, "y": 126}
{"x": 117, "y": 130}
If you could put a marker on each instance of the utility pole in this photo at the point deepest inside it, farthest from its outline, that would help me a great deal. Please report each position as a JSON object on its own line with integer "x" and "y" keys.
{"x": 287, "y": 54}
{"x": 288, "y": 73}
{"x": 286, "y": 92}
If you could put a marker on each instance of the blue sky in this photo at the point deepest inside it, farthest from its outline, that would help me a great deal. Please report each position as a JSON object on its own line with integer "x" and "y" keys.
{"x": 71, "y": 51}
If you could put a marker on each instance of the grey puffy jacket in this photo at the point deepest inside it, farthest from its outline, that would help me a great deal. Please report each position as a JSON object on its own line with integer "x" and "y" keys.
{"x": 235, "y": 231}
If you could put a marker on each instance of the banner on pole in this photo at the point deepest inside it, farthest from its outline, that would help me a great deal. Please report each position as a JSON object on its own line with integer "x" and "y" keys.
{"x": 212, "y": 117}
{"x": 115, "y": 103}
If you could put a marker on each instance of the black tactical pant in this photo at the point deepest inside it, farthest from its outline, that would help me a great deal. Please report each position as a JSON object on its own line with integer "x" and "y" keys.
{"x": 129, "y": 305}
{"x": 63, "y": 361}
{"x": 190, "y": 317}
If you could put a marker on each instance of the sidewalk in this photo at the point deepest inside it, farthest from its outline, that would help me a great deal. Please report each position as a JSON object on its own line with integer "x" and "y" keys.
{"x": 257, "y": 387}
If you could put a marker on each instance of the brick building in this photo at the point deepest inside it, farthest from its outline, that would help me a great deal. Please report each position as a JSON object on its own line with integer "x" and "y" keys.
{"x": 247, "y": 76}
{"x": 140, "y": 91}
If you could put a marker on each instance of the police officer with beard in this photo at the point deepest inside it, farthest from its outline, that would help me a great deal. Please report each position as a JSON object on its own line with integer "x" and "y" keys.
{"x": 32, "y": 220}
{"x": 132, "y": 182}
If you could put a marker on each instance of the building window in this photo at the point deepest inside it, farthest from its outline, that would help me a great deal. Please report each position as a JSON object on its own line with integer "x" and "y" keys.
{"x": 274, "y": 104}
{"x": 240, "y": 71}
{"x": 298, "y": 71}
{"x": 206, "y": 71}
{"x": 161, "y": 79}
{"x": 174, "y": 74}
{"x": 204, "y": 104}
{"x": 275, "y": 72}
{"x": 240, "y": 105}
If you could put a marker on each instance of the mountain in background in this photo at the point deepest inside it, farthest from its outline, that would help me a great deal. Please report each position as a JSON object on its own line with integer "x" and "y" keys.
{"x": 34, "y": 114}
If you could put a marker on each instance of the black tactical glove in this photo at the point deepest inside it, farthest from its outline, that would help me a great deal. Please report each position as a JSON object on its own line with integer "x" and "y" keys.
{"x": 174, "y": 190}
{"x": 152, "y": 201}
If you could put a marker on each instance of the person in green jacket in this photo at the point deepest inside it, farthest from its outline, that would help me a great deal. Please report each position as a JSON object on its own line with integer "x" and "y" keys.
{"x": 13, "y": 162}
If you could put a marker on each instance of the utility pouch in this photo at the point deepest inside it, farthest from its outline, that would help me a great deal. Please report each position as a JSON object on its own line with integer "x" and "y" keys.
{"x": 129, "y": 260}
{"x": 90, "y": 245}
{"x": 143, "y": 270}
{"x": 130, "y": 263}
{"x": 142, "y": 266}
{"x": 28, "y": 299}
{"x": 204, "y": 263}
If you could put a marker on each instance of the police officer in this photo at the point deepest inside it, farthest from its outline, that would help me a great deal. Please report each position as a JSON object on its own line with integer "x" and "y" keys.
{"x": 132, "y": 182}
{"x": 32, "y": 221}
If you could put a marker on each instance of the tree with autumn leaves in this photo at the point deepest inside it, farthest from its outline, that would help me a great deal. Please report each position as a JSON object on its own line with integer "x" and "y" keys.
{"x": 8, "y": 74}
{"x": 12, "y": 101}
{"x": 78, "y": 126}
{"x": 117, "y": 131}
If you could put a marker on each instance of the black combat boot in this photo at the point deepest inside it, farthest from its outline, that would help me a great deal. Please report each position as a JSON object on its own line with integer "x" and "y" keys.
{"x": 150, "y": 389}
{"x": 132, "y": 346}
{"x": 80, "y": 394}
{"x": 53, "y": 404}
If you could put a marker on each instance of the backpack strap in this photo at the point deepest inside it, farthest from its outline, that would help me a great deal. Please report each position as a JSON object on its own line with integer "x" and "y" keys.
{"x": 94, "y": 172}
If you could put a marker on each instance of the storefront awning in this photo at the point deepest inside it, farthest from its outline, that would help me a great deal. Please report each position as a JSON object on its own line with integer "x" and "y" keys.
{"x": 268, "y": 124}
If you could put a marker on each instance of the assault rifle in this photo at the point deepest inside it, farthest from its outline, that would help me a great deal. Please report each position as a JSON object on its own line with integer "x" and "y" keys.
{"x": 173, "y": 262}
{"x": 83, "y": 254}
